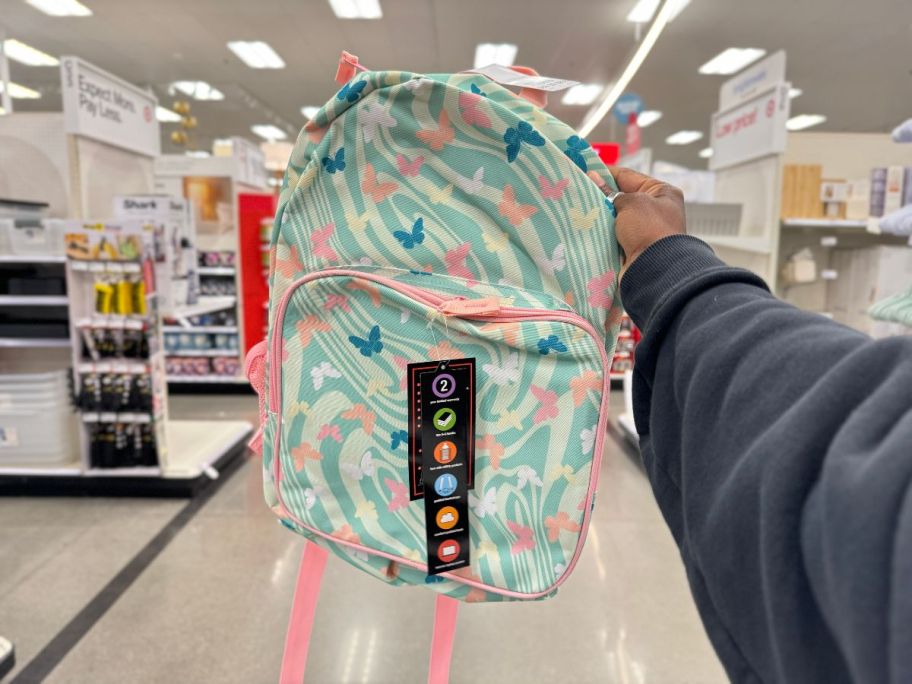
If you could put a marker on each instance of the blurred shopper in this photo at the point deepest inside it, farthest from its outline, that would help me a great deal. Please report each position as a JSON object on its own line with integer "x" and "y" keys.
{"x": 779, "y": 447}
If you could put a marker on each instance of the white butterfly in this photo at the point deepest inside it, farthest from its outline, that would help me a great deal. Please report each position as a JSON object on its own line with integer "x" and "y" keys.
{"x": 356, "y": 472}
{"x": 486, "y": 505}
{"x": 311, "y": 494}
{"x": 505, "y": 374}
{"x": 372, "y": 117}
{"x": 365, "y": 261}
{"x": 322, "y": 371}
{"x": 472, "y": 185}
{"x": 556, "y": 263}
{"x": 559, "y": 569}
{"x": 405, "y": 315}
{"x": 526, "y": 474}
{"x": 587, "y": 438}
{"x": 414, "y": 83}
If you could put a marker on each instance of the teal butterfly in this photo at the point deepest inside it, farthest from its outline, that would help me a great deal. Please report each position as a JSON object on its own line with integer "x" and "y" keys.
{"x": 475, "y": 89}
{"x": 551, "y": 343}
{"x": 337, "y": 164}
{"x": 398, "y": 437}
{"x": 416, "y": 237}
{"x": 515, "y": 137}
{"x": 575, "y": 147}
{"x": 351, "y": 91}
{"x": 372, "y": 345}
{"x": 611, "y": 207}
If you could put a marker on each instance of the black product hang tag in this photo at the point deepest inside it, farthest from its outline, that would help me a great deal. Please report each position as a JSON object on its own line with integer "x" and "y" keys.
{"x": 460, "y": 393}
{"x": 442, "y": 456}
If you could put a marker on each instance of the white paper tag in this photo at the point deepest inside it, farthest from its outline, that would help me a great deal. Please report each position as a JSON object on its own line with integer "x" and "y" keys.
{"x": 506, "y": 76}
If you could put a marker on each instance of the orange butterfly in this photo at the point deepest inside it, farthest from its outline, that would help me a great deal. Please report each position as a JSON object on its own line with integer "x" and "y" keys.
{"x": 589, "y": 380}
{"x": 315, "y": 133}
{"x": 510, "y": 330}
{"x": 442, "y": 351}
{"x": 516, "y": 213}
{"x": 560, "y": 522}
{"x": 300, "y": 454}
{"x": 346, "y": 533}
{"x": 494, "y": 448}
{"x": 377, "y": 191}
{"x": 292, "y": 265}
{"x": 440, "y": 136}
{"x": 569, "y": 298}
{"x": 308, "y": 326}
{"x": 362, "y": 413}
{"x": 372, "y": 290}
{"x": 455, "y": 261}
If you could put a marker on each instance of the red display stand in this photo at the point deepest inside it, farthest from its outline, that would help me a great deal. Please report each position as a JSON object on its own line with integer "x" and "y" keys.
{"x": 252, "y": 209}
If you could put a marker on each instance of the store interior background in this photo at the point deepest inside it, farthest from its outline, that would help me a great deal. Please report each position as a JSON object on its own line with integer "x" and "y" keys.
{"x": 115, "y": 582}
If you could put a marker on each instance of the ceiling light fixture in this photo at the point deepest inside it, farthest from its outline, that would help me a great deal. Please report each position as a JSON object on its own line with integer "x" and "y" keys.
{"x": 597, "y": 113}
{"x": 802, "y": 121}
{"x": 61, "y": 8}
{"x": 648, "y": 117}
{"x": 256, "y": 54}
{"x": 582, "y": 94}
{"x": 26, "y": 54}
{"x": 309, "y": 112}
{"x": 20, "y": 92}
{"x": 683, "y": 137}
{"x": 198, "y": 90}
{"x": 165, "y": 115}
{"x": 269, "y": 132}
{"x": 494, "y": 53}
{"x": 731, "y": 60}
{"x": 357, "y": 9}
{"x": 706, "y": 153}
{"x": 644, "y": 10}
{"x": 794, "y": 92}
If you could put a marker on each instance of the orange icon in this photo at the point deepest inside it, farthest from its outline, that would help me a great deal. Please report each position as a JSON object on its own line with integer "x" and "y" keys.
{"x": 447, "y": 517}
{"x": 445, "y": 452}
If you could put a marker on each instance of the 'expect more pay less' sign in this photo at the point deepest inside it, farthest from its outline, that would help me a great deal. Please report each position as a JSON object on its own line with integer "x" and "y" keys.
{"x": 101, "y": 106}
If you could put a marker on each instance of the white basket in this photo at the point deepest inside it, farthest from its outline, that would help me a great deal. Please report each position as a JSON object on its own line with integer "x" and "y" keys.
{"x": 39, "y": 435}
{"x": 30, "y": 239}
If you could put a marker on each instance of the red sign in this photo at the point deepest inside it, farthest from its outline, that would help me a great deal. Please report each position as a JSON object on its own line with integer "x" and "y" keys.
{"x": 608, "y": 152}
{"x": 633, "y": 135}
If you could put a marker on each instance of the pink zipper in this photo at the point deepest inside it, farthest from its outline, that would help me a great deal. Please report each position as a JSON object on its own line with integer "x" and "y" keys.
{"x": 447, "y": 306}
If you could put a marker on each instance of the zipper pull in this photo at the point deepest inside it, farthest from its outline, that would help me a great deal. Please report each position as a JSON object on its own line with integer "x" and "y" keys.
{"x": 460, "y": 306}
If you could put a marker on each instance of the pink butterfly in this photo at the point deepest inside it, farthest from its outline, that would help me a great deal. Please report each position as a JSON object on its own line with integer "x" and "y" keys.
{"x": 400, "y": 495}
{"x": 494, "y": 448}
{"x": 548, "y": 400}
{"x": 552, "y": 191}
{"x": 335, "y": 300}
{"x": 601, "y": 290}
{"x": 524, "y": 540}
{"x": 455, "y": 261}
{"x": 580, "y": 385}
{"x": 560, "y": 522}
{"x": 471, "y": 114}
{"x": 329, "y": 430}
{"x": 307, "y": 326}
{"x": 512, "y": 210}
{"x": 402, "y": 362}
{"x": 320, "y": 239}
{"x": 291, "y": 266}
{"x": 409, "y": 168}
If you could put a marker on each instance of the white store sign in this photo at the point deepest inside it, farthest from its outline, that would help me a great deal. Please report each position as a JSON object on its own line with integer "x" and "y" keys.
{"x": 751, "y": 130}
{"x": 101, "y": 106}
{"x": 752, "y": 81}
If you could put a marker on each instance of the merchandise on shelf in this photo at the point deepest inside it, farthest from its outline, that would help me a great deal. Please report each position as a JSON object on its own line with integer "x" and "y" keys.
{"x": 628, "y": 338}
{"x": 118, "y": 443}
{"x": 220, "y": 257}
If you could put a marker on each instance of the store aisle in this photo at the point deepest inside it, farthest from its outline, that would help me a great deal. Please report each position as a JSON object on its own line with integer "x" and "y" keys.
{"x": 212, "y": 606}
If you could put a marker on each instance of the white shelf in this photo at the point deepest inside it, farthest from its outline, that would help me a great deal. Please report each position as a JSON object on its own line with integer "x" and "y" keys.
{"x": 616, "y": 376}
{"x": 216, "y": 270}
{"x": 203, "y": 352}
{"x": 825, "y": 223}
{"x": 205, "y": 305}
{"x": 31, "y": 259}
{"x": 45, "y": 342}
{"x": 33, "y": 300}
{"x": 207, "y": 379}
{"x": 628, "y": 427}
{"x": 40, "y": 469}
{"x": 745, "y": 244}
{"x": 135, "y": 471}
{"x": 227, "y": 329}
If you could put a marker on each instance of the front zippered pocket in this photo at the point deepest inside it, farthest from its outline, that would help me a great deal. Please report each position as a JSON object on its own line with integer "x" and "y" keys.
{"x": 342, "y": 339}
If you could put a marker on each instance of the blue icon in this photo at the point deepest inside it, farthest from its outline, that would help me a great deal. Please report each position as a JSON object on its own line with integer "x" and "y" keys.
{"x": 445, "y": 485}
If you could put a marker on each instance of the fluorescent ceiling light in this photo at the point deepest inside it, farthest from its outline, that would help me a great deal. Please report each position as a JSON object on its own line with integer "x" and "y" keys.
{"x": 494, "y": 53}
{"x": 683, "y": 137}
{"x": 61, "y": 8}
{"x": 597, "y": 113}
{"x": 582, "y": 94}
{"x": 26, "y": 54}
{"x": 794, "y": 92}
{"x": 644, "y": 10}
{"x": 706, "y": 153}
{"x": 198, "y": 90}
{"x": 357, "y": 9}
{"x": 732, "y": 60}
{"x": 20, "y": 92}
{"x": 802, "y": 121}
{"x": 648, "y": 117}
{"x": 309, "y": 112}
{"x": 256, "y": 54}
{"x": 166, "y": 115}
{"x": 269, "y": 132}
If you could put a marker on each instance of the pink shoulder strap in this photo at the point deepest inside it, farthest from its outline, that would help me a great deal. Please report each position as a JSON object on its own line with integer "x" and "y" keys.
{"x": 442, "y": 643}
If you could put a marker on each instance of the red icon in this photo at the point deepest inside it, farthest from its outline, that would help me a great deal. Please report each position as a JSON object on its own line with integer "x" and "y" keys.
{"x": 448, "y": 550}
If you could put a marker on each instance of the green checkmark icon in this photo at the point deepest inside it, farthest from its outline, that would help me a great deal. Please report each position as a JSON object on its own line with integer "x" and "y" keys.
{"x": 444, "y": 419}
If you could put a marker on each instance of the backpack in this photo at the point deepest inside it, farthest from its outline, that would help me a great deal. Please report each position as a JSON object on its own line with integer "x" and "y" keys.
{"x": 422, "y": 220}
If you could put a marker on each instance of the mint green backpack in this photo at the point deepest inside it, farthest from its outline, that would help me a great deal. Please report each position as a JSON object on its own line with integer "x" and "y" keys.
{"x": 440, "y": 225}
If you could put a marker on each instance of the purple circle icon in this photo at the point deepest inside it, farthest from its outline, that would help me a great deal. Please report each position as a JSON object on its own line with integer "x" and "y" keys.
{"x": 444, "y": 385}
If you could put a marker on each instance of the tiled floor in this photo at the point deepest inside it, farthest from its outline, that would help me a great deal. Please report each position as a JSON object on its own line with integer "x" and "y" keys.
{"x": 212, "y": 606}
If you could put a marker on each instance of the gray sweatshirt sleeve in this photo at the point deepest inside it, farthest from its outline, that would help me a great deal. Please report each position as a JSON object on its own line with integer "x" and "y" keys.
{"x": 779, "y": 448}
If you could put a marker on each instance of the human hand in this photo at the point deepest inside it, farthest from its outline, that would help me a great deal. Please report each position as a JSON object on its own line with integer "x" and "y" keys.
{"x": 647, "y": 211}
